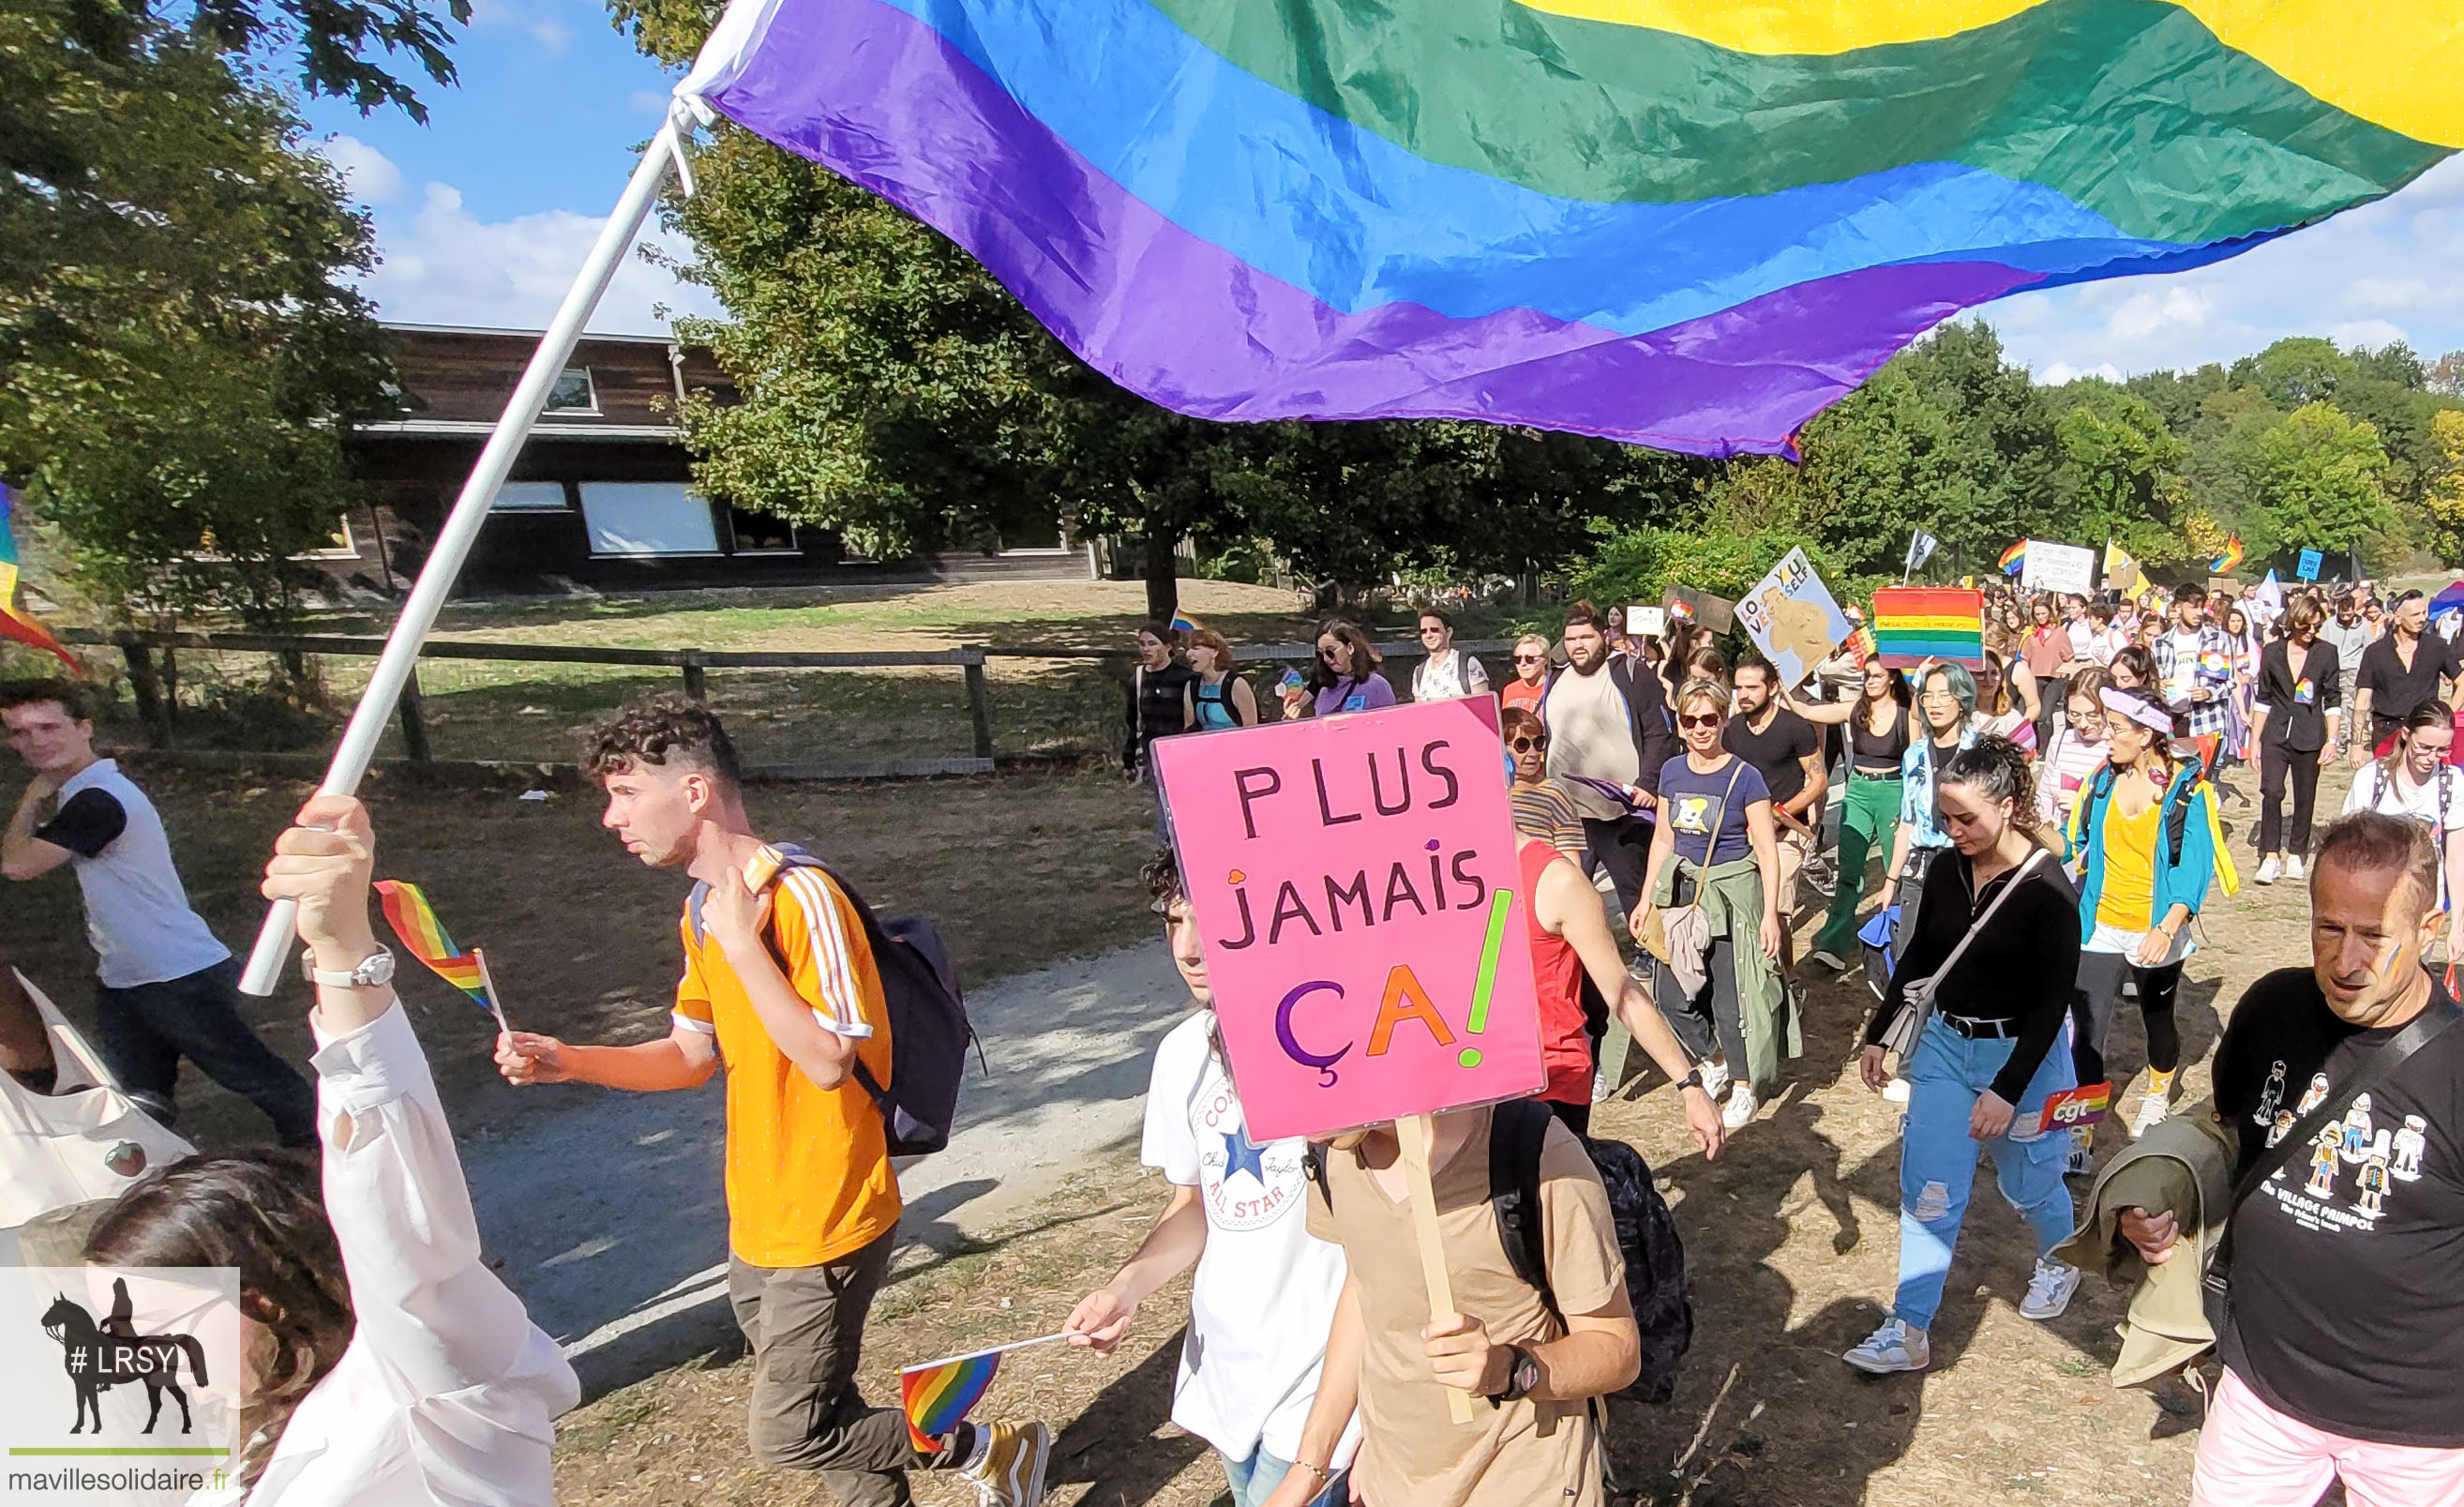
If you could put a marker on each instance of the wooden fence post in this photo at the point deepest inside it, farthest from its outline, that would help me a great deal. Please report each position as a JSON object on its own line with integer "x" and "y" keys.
{"x": 147, "y": 688}
{"x": 692, "y": 673}
{"x": 980, "y": 707}
{"x": 414, "y": 724}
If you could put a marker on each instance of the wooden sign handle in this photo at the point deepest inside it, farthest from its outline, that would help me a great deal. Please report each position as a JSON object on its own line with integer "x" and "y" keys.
{"x": 1416, "y": 1131}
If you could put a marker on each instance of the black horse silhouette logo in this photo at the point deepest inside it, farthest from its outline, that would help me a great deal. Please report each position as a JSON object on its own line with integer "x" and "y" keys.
{"x": 100, "y": 1357}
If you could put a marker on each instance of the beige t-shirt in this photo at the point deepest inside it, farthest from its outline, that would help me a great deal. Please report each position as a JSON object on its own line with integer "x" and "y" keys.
{"x": 1519, "y": 1454}
{"x": 1591, "y": 732}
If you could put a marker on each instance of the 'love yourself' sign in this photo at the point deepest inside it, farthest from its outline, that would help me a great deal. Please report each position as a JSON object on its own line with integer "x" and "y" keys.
{"x": 1356, "y": 885}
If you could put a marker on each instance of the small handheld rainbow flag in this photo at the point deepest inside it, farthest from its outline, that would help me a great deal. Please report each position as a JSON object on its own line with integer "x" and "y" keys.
{"x": 1183, "y": 623}
{"x": 423, "y": 936}
{"x": 2013, "y": 559}
{"x": 1914, "y": 623}
{"x": 2230, "y": 558}
{"x": 16, "y": 622}
{"x": 938, "y": 1393}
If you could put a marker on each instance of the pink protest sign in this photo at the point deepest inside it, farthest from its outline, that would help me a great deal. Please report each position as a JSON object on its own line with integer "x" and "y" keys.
{"x": 1356, "y": 889}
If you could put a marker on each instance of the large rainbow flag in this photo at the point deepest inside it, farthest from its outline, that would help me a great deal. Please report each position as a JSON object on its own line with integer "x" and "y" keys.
{"x": 16, "y": 622}
{"x": 1687, "y": 223}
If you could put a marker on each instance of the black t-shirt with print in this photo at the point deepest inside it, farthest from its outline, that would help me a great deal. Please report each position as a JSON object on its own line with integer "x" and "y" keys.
{"x": 2348, "y": 1263}
{"x": 1776, "y": 752}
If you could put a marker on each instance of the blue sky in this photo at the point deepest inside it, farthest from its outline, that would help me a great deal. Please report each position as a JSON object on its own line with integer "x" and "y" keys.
{"x": 483, "y": 214}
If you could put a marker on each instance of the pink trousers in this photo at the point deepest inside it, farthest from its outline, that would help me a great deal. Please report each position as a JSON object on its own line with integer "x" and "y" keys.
{"x": 2251, "y": 1455}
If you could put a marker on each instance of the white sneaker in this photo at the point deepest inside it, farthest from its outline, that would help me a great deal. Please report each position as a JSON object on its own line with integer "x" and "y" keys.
{"x": 1896, "y": 1091}
{"x": 1715, "y": 1078}
{"x": 2152, "y": 1113}
{"x": 2050, "y": 1290}
{"x": 2270, "y": 870}
{"x": 1739, "y": 1109}
{"x": 1828, "y": 959}
{"x": 2293, "y": 868}
{"x": 1893, "y": 1347}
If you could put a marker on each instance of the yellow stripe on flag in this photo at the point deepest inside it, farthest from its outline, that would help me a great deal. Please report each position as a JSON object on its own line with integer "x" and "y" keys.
{"x": 2394, "y": 63}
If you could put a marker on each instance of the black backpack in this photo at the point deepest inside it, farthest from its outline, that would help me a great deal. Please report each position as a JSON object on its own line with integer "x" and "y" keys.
{"x": 929, "y": 1031}
{"x": 1646, "y": 1235}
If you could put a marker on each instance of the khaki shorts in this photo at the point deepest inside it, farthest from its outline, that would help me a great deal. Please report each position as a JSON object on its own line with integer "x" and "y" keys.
{"x": 1795, "y": 847}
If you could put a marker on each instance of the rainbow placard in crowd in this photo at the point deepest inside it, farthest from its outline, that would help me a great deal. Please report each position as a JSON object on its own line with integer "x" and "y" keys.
{"x": 1914, "y": 623}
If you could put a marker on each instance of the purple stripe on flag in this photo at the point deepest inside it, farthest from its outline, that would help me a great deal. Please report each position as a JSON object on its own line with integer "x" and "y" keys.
{"x": 881, "y": 97}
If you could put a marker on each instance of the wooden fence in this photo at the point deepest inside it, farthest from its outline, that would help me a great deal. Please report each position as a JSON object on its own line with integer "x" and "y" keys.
{"x": 138, "y": 649}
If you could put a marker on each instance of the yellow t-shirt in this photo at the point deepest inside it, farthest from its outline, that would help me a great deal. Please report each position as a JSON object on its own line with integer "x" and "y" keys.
{"x": 808, "y": 1174}
{"x": 2126, "y": 899}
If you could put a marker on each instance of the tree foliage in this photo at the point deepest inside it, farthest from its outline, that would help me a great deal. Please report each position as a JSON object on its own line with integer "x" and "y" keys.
{"x": 177, "y": 353}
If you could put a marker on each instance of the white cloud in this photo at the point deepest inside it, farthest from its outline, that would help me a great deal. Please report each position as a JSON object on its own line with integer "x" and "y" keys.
{"x": 372, "y": 176}
{"x": 2062, "y": 371}
{"x": 442, "y": 265}
{"x": 2393, "y": 270}
{"x": 2366, "y": 332}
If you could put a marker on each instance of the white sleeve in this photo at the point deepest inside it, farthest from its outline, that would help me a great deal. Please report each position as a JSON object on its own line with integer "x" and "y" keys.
{"x": 1168, "y": 1143}
{"x": 2448, "y": 777}
{"x": 442, "y": 1328}
{"x": 2357, "y": 797}
{"x": 1474, "y": 675}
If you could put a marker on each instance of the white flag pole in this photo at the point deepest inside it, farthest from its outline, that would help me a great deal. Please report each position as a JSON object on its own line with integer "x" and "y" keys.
{"x": 461, "y": 529}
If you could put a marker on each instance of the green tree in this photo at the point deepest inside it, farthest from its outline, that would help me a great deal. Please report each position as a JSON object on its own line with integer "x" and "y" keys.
{"x": 178, "y": 353}
{"x": 2296, "y": 371}
{"x": 2120, "y": 473}
{"x": 2320, "y": 475}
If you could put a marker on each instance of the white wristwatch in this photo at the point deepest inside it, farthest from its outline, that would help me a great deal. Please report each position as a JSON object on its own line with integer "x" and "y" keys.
{"x": 374, "y": 969}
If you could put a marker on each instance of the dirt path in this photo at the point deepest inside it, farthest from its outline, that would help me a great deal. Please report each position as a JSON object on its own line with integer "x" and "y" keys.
{"x": 606, "y": 1211}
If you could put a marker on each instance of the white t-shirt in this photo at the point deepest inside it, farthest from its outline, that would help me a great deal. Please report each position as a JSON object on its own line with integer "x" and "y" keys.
{"x": 2439, "y": 803}
{"x": 1449, "y": 677}
{"x": 136, "y": 913}
{"x": 1265, "y": 1289}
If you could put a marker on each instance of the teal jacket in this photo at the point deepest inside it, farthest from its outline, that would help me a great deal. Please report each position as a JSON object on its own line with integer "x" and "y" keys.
{"x": 2190, "y": 845}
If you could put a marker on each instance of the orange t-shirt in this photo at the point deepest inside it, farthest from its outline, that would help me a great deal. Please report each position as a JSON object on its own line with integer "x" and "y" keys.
{"x": 808, "y": 1174}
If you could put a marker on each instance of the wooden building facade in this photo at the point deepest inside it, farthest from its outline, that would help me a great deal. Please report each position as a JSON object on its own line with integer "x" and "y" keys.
{"x": 601, "y": 496}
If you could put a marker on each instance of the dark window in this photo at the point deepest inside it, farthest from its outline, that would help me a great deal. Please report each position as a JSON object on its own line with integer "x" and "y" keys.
{"x": 573, "y": 392}
{"x": 761, "y": 534}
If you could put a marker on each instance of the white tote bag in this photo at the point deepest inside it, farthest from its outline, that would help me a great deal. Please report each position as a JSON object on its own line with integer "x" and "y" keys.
{"x": 85, "y": 1140}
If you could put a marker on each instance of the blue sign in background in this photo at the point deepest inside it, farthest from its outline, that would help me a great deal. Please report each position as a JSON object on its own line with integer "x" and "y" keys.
{"x": 2309, "y": 567}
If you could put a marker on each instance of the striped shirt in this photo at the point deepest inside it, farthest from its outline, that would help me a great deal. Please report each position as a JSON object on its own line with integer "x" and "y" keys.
{"x": 808, "y": 1174}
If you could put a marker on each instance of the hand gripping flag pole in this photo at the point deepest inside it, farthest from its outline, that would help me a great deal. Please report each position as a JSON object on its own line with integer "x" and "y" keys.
{"x": 265, "y": 963}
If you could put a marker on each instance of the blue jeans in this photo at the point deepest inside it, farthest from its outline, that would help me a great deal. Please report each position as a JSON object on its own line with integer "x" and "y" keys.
{"x": 1254, "y": 1480}
{"x": 1938, "y": 1159}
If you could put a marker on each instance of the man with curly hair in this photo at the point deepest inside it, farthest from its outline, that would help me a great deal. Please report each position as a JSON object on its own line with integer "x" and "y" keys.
{"x": 781, "y": 986}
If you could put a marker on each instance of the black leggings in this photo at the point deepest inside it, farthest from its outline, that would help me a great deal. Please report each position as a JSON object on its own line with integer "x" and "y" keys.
{"x": 2091, "y": 1002}
{"x": 2275, "y": 763}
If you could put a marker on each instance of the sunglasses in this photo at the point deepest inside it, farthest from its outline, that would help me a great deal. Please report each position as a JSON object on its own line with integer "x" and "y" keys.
{"x": 1699, "y": 719}
{"x": 1527, "y": 744}
{"x": 1530, "y": 659}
